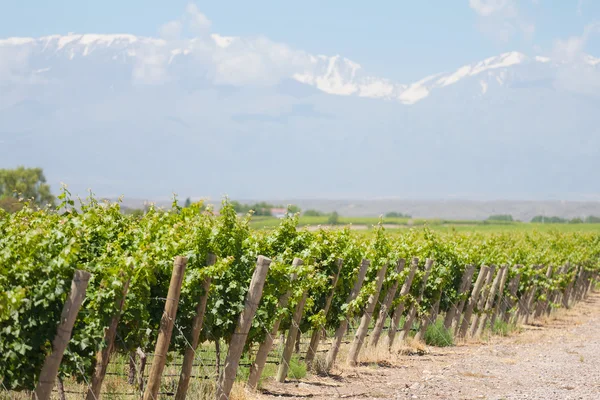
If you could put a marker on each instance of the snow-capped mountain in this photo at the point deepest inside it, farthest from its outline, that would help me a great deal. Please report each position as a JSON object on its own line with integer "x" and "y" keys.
{"x": 151, "y": 60}
{"x": 254, "y": 118}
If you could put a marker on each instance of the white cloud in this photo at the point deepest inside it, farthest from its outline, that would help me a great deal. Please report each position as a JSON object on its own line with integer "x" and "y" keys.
{"x": 578, "y": 75}
{"x": 151, "y": 62}
{"x": 571, "y": 49}
{"x": 15, "y": 65}
{"x": 191, "y": 23}
{"x": 197, "y": 21}
{"x": 171, "y": 30}
{"x": 501, "y": 19}
{"x": 486, "y": 8}
{"x": 222, "y": 60}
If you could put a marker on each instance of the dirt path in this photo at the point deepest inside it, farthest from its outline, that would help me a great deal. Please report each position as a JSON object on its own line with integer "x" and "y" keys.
{"x": 559, "y": 359}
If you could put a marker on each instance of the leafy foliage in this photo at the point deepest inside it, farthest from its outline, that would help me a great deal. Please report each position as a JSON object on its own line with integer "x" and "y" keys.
{"x": 41, "y": 248}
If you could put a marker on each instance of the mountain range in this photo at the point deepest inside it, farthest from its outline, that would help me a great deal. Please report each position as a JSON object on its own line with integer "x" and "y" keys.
{"x": 252, "y": 118}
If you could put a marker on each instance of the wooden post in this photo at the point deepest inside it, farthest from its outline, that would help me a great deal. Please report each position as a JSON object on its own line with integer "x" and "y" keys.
{"x": 555, "y": 294}
{"x": 413, "y": 310}
{"x": 481, "y": 277}
{"x": 103, "y": 356}
{"x": 496, "y": 311}
{"x": 575, "y": 290}
{"x": 591, "y": 281}
{"x": 490, "y": 301}
{"x": 132, "y": 368}
{"x": 395, "y": 322}
{"x": 385, "y": 306}
{"x": 568, "y": 289}
{"x": 166, "y": 329}
{"x": 430, "y": 316}
{"x": 286, "y": 356}
{"x": 257, "y": 367}
{"x": 542, "y": 304}
{"x": 456, "y": 309}
{"x": 365, "y": 320}
{"x": 197, "y": 322}
{"x": 482, "y": 300}
{"x": 238, "y": 339}
{"x": 528, "y": 304}
{"x": 507, "y": 307}
{"x": 316, "y": 334}
{"x": 341, "y": 329}
{"x": 523, "y": 301}
{"x": 578, "y": 285}
{"x": 63, "y": 335}
{"x": 143, "y": 359}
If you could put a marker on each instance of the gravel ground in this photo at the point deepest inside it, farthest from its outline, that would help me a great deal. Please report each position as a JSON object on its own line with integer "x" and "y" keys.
{"x": 555, "y": 359}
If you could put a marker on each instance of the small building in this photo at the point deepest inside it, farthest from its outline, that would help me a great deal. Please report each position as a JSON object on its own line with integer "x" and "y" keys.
{"x": 279, "y": 212}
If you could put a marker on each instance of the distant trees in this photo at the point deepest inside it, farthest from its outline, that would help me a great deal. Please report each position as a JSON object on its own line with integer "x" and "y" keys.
{"x": 394, "y": 214}
{"x": 262, "y": 208}
{"x": 501, "y": 217}
{"x": 312, "y": 213}
{"x": 333, "y": 219}
{"x": 293, "y": 209}
{"x": 541, "y": 219}
{"x": 24, "y": 183}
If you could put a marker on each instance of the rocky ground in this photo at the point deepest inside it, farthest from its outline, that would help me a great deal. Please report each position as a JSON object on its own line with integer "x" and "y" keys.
{"x": 557, "y": 358}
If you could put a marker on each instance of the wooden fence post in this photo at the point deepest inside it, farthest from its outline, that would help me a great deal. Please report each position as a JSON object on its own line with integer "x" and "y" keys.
{"x": 413, "y": 310}
{"x": 63, "y": 335}
{"x": 341, "y": 329}
{"x": 166, "y": 329}
{"x": 556, "y": 296}
{"x": 265, "y": 347}
{"x": 456, "y": 309}
{"x": 503, "y": 280}
{"x": 490, "y": 301}
{"x": 385, "y": 306}
{"x": 466, "y": 321}
{"x": 482, "y": 300}
{"x": 508, "y": 306}
{"x": 567, "y": 293}
{"x": 238, "y": 339}
{"x": 395, "y": 322}
{"x": 430, "y": 316}
{"x": 290, "y": 341}
{"x": 365, "y": 320}
{"x": 143, "y": 359}
{"x": 541, "y": 305}
{"x": 316, "y": 334}
{"x": 103, "y": 356}
{"x": 522, "y": 305}
{"x": 197, "y": 322}
{"x": 132, "y": 373}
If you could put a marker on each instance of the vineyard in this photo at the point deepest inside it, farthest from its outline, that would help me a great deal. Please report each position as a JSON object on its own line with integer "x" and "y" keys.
{"x": 89, "y": 296}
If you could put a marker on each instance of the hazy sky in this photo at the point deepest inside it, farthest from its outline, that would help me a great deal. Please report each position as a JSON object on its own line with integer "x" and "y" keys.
{"x": 236, "y": 91}
{"x": 402, "y": 40}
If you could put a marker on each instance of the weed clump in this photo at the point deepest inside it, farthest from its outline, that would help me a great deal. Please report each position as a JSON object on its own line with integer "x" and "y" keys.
{"x": 437, "y": 335}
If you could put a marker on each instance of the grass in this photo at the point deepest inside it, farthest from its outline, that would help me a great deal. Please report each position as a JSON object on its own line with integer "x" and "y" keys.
{"x": 437, "y": 335}
{"x": 442, "y": 225}
{"x": 501, "y": 328}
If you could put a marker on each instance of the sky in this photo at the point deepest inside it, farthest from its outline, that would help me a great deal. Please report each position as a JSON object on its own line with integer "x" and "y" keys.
{"x": 402, "y": 40}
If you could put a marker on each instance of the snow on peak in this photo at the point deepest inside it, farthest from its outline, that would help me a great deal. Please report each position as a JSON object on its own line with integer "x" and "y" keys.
{"x": 501, "y": 61}
{"x": 16, "y": 41}
{"x": 330, "y": 74}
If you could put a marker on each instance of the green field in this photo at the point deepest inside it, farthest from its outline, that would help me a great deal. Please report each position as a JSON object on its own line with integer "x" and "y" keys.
{"x": 367, "y": 223}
